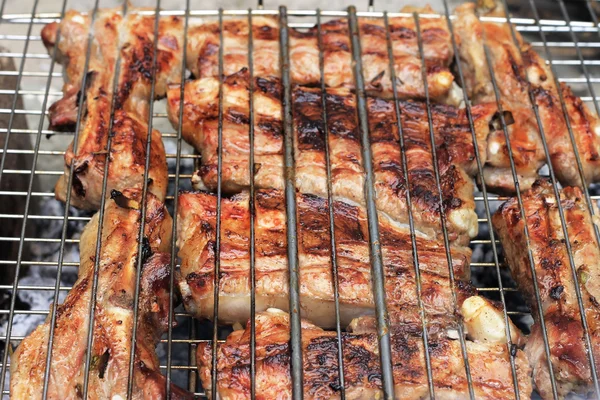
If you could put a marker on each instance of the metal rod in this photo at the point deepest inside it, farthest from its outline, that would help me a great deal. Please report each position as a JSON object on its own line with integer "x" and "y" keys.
{"x": 442, "y": 209}
{"x": 378, "y": 276}
{"x": 216, "y": 282}
{"x": 252, "y": 209}
{"x": 173, "y": 264}
{"x": 411, "y": 223}
{"x": 291, "y": 209}
{"x": 331, "y": 210}
{"x": 144, "y": 202}
{"x": 61, "y": 251}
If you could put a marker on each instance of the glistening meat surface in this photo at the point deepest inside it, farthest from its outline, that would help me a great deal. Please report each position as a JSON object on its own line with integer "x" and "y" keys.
{"x": 196, "y": 241}
{"x": 454, "y": 148}
{"x": 555, "y": 281}
{"x": 490, "y": 365}
{"x": 129, "y": 39}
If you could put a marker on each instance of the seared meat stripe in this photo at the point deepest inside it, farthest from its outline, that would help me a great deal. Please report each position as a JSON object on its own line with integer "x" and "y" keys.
{"x": 555, "y": 281}
{"x": 203, "y": 45}
{"x": 453, "y": 139}
{"x": 519, "y": 69}
{"x": 113, "y": 320}
{"x": 131, "y": 39}
{"x": 490, "y": 366}
{"x": 196, "y": 239}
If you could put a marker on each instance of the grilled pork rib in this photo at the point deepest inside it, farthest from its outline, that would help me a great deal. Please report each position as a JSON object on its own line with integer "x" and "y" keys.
{"x": 519, "y": 69}
{"x": 196, "y": 241}
{"x": 555, "y": 282}
{"x": 490, "y": 367}
{"x": 453, "y": 139}
{"x": 113, "y": 319}
{"x": 131, "y": 40}
{"x": 203, "y": 46}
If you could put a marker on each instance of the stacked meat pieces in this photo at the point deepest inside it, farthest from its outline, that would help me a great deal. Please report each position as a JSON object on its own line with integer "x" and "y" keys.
{"x": 437, "y": 176}
{"x": 424, "y": 146}
{"x": 109, "y": 362}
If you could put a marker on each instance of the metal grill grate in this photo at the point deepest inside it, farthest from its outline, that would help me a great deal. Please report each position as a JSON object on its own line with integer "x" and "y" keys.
{"x": 565, "y": 34}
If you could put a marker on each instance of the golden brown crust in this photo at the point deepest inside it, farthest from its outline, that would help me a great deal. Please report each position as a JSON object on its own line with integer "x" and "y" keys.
{"x": 113, "y": 319}
{"x": 196, "y": 241}
{"x": 204, "y": 44}
{"x": 555, "y": 281}
{"x": 129, "y": 39}
{"x": 454, "y": 147}
{"x": 490, "y": 368}
{"x": 518, "y": 69}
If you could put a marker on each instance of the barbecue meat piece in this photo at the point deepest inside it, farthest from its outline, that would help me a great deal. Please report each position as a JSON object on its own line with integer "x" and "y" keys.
{"x": 127, "y": 159}
{"x": 129, "y": 39}
{"x": 196, "y": 242}
{"x": 200, "y": 128}
{"x": 518, "y": 69}
{"x": 490, "y": 367}
{"x": 203, "y": 53}
{"x": 525, "y": 141}
{"x": 556, "y": 284}
{"x": 113, "y": 319}
{"x": 456, "y": 164}
{"x": 453, "y": 145}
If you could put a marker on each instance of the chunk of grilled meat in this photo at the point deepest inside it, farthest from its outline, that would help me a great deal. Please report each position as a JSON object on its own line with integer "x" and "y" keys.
{"x": 454, "y": 148}
{"x": 525, "y": 141}
{"x": 518, "y": 69}
{"x": 556, "y": 284}
{"x": 113, "y": 319}
{"x": 203, "y": 61}
{"x": 196, "y": 242}
{"x": 490, "y": 366}
{"x": 126, "y": 160}
{"x": 131, "y": 40}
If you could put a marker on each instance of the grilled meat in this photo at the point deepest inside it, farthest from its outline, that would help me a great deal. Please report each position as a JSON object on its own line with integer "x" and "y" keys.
{"x": 196, "y": 242}
{"x": 555, "y": 281}
{"x": 507, "y": 62}
{"x": 113, "y": 319}
{"x": 518, "y": 69}
{"x": 490, "y": 368}
{"x": 131, "y": 40}
{"x": 200, "y": 128}
{"x": 453, "y": 139}
{"x": 126, "y": 160}
{"x": 203, "y": 54}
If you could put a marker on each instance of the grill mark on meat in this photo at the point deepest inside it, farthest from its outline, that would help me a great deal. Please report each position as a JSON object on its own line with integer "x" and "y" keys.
{"x": 308, "y": 122}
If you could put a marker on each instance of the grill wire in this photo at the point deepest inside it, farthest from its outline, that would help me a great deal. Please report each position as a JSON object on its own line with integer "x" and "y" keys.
{"x": 572, "y": 57}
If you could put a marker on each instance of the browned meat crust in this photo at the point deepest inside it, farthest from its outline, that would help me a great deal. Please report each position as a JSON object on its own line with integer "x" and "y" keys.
{"x": 454, "y": 148}
{"x": 196, "y": 240}
{"x": 113, "y": 320}
{"x": 490, "y": 368}
{"x": 203, "y": 47}
{"x": 130, "y": 39}
{"x": 519, "y": 69}
{"x": 555, "y": 281}
{"x": 127, "y": 159}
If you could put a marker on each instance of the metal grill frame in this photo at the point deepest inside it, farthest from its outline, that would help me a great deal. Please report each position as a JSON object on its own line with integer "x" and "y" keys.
{"x": 564, "y": 24}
